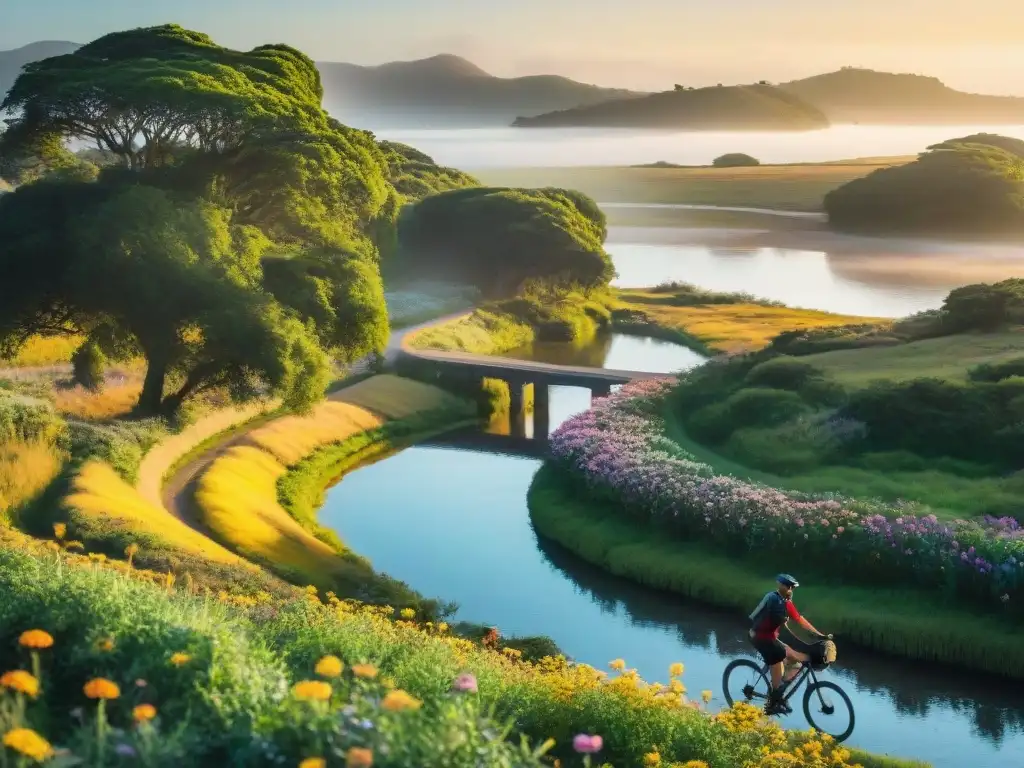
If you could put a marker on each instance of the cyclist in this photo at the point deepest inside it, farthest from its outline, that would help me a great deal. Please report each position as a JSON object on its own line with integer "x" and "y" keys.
{"x": 771, "y": 614}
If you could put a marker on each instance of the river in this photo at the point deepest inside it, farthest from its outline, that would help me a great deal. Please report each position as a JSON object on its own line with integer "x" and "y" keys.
{"x": 457, "y": 527}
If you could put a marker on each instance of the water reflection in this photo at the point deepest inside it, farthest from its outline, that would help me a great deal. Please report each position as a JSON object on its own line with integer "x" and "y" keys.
{"x": 617, "y": 351}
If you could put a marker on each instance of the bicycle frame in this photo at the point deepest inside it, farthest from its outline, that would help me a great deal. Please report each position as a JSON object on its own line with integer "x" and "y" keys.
{"x": 790, "y": 688}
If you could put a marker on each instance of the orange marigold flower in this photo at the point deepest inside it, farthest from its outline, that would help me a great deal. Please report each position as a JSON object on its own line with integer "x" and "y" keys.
{"x": 400, "y": 701}
{"x": 144, "y": 713}
{"x": 364, "y": 670}
{"x": 36, "y": 638}
{"x": 329, "y": 666}
{"x": 60, "y": 530}
{"x": 101, "y": 688}
{"x": 357, "y": 757}
{"x": 28, "y": 743}
{"x": 312, "y": 690}
{"x": 21, "y": 681}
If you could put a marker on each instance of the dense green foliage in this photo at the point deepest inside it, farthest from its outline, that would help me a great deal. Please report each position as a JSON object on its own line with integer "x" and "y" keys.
{"x": 499, "y": 239}
{"x": 735, "y": 160}
{"x": 971, "y": 185}
{"x": 415, "y": 175}
{"x": 225, "y": 160}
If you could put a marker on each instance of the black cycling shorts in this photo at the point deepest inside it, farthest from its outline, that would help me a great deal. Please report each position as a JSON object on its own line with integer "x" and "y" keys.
{"x": 772, "y": 651}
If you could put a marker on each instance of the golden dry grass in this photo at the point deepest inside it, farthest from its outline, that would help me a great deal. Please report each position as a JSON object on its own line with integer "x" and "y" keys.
{"x": 26, "y": 468}
{"x": 237, "y": 499}
{"x": 291, "y": 438}
{"x": 732, "y": 328}
{"x": 40, "y": 350}
{"x": 790, "y": 187}
{"x": 99, "y": 493}
{"x": 394, "y": 397}
{"x": 112, "y": 402}
{"x": 162, "y": 456}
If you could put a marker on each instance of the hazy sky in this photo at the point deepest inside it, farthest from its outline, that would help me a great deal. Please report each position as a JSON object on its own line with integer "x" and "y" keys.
{"x": 971, "y": 44}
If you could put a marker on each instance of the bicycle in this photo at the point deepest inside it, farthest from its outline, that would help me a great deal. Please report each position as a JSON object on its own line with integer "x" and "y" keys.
{"x": 758, "y": 686}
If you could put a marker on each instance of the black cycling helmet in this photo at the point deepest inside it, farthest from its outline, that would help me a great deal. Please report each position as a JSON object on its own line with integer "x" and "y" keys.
{"x": 789, "y": 581}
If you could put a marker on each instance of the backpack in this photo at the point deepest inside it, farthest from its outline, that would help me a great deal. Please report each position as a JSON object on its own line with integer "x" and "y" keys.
{"x": 772, "y": 605}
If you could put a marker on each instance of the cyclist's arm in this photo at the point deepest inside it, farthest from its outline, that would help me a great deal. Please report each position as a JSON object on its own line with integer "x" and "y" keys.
{"x": 795, "y": 615}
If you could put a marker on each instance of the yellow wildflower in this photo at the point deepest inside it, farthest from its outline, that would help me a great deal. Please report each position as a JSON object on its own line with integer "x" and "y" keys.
{"x": 442, "y": 627}
{"x": 364, "y": 670}
{"x": 676, "y": 670}
{"x": 313, "y": 762}
{"x": 180, "y": 659}
{"x": 144, "y": 713}
{"x": 706, "y": 696}
{"x": 312, "y": 690}
{"x": 75, "y": 545}
{"x": 21, "y": 681}
{"x": 407, "y": 613}
{"x": 329, "y": 666}
{"x": 652, "y": 758}
{"x": 357, "y": 757}
{"x": 695, "y": 764}
{"x": 28, "y": 743}
{"x": 618, "y": 665}
{"x": 101, "y": 688}
{"x": 105, "y": 644}
{"x": 36, "y": 638}
{"x": 60, "y": 530}
{"x": 400, "y": 701}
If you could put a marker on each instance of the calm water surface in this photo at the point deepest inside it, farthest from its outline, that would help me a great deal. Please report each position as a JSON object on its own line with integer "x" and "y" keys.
{"x": 615, "y": 350}
{"x": 471, "y": 148}
{"x": 476, "y": 546}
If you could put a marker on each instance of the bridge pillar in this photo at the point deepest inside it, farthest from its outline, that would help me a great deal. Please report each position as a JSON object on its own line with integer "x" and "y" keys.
{"x": 517, "y": 408}
{"x": 600, "y": 390}
{"x": 541, "y": 412}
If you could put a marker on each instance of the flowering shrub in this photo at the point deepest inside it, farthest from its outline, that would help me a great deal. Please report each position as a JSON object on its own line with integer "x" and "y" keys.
{"x": 619, "y": 449}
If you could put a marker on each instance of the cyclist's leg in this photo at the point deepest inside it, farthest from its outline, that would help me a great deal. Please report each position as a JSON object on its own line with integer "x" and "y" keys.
{"x": 794, "y": 660}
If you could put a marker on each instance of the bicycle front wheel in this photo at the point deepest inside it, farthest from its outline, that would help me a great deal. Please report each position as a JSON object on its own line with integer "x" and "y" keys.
{"x": 744, "y": 681}
{"x": 828, "y": 709}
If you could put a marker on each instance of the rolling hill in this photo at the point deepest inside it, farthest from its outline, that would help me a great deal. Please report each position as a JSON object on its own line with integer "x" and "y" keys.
{"x": 853, "y": 95}
{"x": 734, "y": 108}
{"x": 446, "y": 91}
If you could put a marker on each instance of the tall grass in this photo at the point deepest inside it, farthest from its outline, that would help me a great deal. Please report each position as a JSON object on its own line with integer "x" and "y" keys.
{"x": 481, "y": 333}
{"x": 112, "y": 402}
{"x": 26, "y": 468}
{"x": 292, "y": 438}
{"x": 44, "y": 350}
{"x": 900, "y": 621}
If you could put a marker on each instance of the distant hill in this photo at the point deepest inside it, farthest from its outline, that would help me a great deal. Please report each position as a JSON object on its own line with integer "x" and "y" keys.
{"x": 446, "y": 91}
{"x": 865, "y": 96}
{"x": 11, "y": 62}
{"x": 737, "y": 108}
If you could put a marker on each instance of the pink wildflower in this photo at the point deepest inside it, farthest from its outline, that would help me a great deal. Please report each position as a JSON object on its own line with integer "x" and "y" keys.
{"x": 587, "y": 745}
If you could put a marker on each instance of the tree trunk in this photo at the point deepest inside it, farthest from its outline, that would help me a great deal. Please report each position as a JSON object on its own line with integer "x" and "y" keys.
{"x": 153, "y": 387}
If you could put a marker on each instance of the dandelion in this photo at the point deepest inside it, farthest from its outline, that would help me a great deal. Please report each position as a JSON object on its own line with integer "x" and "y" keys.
{"x": 618, "y": 665}
{"x": 180, "y": 659}
{"x": 465, "y": 683}
{"x": 101, "y": 688}
{"x": 676, "y": 670}
{"x": 329, "y": 666}
{"x": 652, "y": 758}
{"x": 143, "y": 713}
{"x": 367, "y": 671}
{"x": 28, "y": 743}
{"x": 313, "y": 762}
{"x": 60, "y": 530}
{"x": 36, "y": 639}
{"x": 358, "y": 757}
{"x": 400, "y": 701}
{"x": 442, "y": 627}
{"x": 586, "y": 744}
{"x": 312, "y": 690}
{"x": 21, "y": 681}
{"x": 705, "y": 696}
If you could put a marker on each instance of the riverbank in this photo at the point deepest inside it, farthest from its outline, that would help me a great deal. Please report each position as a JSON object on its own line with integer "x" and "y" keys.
{"x": 799, "y": 187}
{"x": 905, "y": 623}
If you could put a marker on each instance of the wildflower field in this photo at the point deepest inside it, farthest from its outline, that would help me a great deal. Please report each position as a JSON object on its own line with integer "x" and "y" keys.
{"x": 102, "y": 667}
{"x": 619, "y": 451}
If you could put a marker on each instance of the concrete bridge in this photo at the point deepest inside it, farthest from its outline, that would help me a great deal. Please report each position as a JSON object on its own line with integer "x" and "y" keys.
{"x": 518, "y": 374}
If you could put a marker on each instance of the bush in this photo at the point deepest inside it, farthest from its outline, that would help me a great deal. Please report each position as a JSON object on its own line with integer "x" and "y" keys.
{"x": 993, "y": 372}
{"x": 27, "y": 419}
{"x": 754, "y": 407}
{"x": 783, "y": 373}
{"x": 735, "y": 160}
{"x": 88, "y": 364}
{"x": 983, "y": 306}
{"x": 120, "y": 444}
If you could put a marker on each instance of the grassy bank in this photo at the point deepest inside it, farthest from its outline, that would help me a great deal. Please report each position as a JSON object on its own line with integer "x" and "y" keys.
{"x": 785, "y": 187}
{"x": 905, "y": 623}
{"x": 233, "y": 677}
{"x": 260, "y": 498}
{"x": 720, "y": 322}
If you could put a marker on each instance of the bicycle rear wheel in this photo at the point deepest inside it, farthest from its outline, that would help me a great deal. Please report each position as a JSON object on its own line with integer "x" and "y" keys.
{"x": 828, "y": 709}
{"x": 744, "y": 680}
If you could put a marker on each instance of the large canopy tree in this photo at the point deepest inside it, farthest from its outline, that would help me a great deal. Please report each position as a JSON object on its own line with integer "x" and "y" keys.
{"x": 228, "y": 243}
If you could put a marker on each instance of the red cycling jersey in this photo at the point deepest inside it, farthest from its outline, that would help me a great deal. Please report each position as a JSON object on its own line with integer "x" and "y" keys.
{"x": 770, "y": 621}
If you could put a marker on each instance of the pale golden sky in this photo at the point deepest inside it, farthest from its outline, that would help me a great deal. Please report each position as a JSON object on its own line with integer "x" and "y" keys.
{"x": 972, "y": 44}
